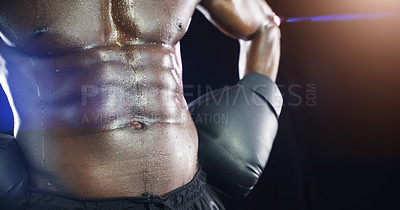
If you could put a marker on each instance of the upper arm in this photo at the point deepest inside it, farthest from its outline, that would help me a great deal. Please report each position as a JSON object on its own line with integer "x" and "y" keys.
{"x": 239, "y": 19}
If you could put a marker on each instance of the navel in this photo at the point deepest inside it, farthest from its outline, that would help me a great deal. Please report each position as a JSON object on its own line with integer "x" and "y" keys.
{"x": 134, "y": 124}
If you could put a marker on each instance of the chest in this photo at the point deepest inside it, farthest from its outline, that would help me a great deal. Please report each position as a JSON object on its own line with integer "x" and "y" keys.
{"x": 44, "y": 26}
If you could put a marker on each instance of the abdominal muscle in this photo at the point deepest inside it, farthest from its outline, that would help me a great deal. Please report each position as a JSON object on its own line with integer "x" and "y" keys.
{"x": 122, "y": 162}
{"x": 106, "y": 122}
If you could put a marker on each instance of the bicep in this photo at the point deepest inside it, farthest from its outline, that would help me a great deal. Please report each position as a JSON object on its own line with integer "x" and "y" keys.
{"x": 239, "y": 19}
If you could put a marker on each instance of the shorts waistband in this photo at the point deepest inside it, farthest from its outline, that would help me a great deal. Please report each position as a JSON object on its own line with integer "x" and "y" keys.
{"x": 176, "y": 199}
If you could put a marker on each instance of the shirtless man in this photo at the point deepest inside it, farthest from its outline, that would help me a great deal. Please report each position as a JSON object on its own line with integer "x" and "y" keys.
{"x": 96, "y": 89}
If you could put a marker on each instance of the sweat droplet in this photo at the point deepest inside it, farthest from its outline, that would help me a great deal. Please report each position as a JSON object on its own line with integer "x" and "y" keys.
{"x": 57, "y": 70}
{"x": 40, "y": 31}
{"x": 180, "y": 25}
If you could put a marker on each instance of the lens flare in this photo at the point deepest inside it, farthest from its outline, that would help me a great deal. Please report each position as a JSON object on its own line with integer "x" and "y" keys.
{"x": 341, "y": 17}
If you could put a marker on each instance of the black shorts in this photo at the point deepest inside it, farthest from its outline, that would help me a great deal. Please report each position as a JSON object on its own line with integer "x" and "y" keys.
{"x": 194, "y": 195}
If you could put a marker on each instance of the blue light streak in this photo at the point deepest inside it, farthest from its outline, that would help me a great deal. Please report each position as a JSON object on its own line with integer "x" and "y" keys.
{"x": 341, "y": 17}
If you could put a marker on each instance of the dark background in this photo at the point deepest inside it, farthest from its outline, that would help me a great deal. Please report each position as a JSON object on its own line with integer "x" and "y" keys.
{"x": 338, "y": 144}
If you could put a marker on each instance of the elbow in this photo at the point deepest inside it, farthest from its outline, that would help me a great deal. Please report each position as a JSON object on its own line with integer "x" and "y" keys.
{"x": 267, "y": 28}
{"x": 269, "y": 31}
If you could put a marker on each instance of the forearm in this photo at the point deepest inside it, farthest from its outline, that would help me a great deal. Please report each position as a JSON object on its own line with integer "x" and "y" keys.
{"x": 252, "y": 22}
{"x": 261, "y": 52}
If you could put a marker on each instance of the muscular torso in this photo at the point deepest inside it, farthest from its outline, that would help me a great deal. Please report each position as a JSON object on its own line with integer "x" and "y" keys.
{"x": 97, "y": 94}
